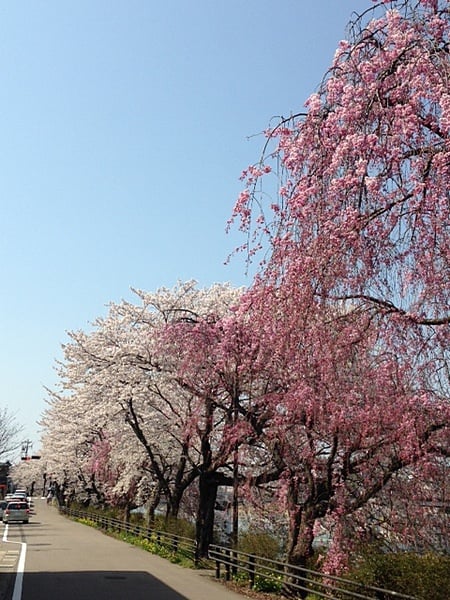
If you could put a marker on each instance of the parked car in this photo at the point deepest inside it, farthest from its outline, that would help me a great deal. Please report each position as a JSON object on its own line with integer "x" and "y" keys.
{"x": 3, "y": 505}
{"x": 16, "y": 511}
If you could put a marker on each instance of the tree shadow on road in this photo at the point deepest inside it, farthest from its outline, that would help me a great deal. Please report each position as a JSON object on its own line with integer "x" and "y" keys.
{"x": 96, "y": 585}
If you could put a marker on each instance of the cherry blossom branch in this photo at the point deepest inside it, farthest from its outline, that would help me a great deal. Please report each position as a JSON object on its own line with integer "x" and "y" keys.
{"x": 390, "y": 307}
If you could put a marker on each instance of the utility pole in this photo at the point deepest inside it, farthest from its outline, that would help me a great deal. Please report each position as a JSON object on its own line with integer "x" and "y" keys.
{"x": 26, "y": 445}
{"x": 235, "y": 504}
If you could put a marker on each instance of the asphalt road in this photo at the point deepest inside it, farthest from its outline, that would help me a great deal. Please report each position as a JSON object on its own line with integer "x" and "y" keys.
{"x": 56, "y": 558}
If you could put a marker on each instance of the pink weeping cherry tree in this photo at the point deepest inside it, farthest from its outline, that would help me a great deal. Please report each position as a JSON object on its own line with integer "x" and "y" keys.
{"x": 351, "y": 429}
{"x": 353, "y": 294}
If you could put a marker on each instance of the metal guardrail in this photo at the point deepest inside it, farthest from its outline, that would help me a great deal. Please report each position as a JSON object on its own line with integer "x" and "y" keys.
{"x": 291, "y": 580}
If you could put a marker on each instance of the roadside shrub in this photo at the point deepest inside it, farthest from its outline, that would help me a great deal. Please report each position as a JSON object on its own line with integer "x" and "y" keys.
{"x": 269, "y": 584}
{"x": 103, "y": 510}
{"x": 179, "y": 527}
{"x": 272, "y": 584}
{"x": 424, "y": 576}
{"x": 137, "y": 519}
{"x": 260, "y": 544}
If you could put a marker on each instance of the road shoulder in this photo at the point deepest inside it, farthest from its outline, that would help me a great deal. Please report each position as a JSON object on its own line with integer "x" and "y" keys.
{"x": 9, "y": 556}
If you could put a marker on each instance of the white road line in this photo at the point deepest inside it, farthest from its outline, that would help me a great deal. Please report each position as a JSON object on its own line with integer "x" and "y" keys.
{"x": 17, "y": 593}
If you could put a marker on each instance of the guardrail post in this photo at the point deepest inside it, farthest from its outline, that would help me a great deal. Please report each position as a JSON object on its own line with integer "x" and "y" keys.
{"x": 227, "y": 566}
{"x": 234, "y": 561}
{"x": 217, "y": 568}
{"x": 251, "y": 570}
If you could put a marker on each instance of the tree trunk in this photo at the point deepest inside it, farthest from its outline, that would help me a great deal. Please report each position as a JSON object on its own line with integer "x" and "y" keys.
{"x": 153, "y": 503}
{"x": 173, "y": 505}
{"x": 300, "y": 543}
{"x": 127, "y": 513}
{"x": 205, "y": 513}
{"x": 301, "y": 550}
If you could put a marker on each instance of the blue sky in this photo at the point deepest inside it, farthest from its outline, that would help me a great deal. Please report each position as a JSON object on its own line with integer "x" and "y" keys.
{"x": 124, "y": 128}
